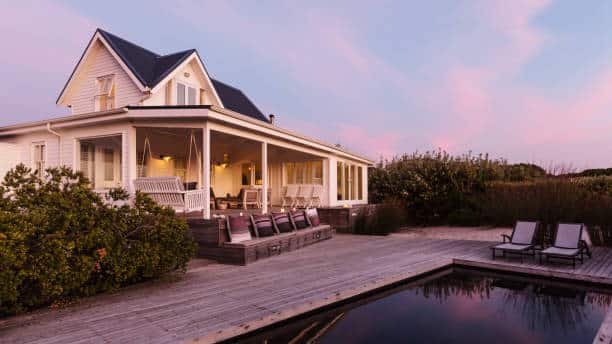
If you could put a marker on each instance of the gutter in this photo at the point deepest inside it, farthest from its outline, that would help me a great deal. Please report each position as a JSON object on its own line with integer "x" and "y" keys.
{"x": 59, "y": 142}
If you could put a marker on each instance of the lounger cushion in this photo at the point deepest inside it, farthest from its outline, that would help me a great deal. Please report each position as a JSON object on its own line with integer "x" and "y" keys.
{"x": 568, "y": 235}
{"x": 263, "y": 225}
{"x": 239, "y": 228}
{"x": 523, "y": 233}
{"x": 283, "y": 223}
{"x": 313, "y": 217}
{"x": 512, "y": 247}
{"x": 299, "y": 219}
{"x": 558, "y": 251}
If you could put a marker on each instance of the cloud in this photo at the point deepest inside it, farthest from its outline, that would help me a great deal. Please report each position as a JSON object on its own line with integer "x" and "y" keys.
{"x": 42, "y": 42}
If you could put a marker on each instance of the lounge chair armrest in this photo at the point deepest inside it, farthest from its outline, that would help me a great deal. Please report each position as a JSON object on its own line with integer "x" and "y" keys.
{"x": 506, "y": 236}
{"x": 585, "y": 247}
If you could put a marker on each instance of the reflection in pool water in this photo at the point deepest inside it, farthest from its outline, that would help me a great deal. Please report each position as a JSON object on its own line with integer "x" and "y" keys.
{"x": 459, "y": 306}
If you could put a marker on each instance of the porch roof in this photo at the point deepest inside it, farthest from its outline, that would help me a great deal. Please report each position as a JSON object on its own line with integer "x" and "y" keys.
{"x": 181, "y": 113}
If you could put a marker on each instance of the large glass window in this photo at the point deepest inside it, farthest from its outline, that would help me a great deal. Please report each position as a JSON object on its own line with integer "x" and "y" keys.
{"x": 185, "y": 95}
{"x": 100, "y": 161}
{"x": 349, "y": 182}
{"x": 258, "y": 175}
{"x": 352, "y": 181}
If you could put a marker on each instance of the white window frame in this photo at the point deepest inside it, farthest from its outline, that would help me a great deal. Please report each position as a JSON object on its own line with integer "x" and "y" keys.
{"x": 109, "y": 93}
{"x": 33, "y": 153}
{"x": 188, "y": 86}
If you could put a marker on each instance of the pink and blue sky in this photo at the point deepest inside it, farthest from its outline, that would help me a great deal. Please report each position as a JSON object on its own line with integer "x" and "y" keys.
{"x": 528, "y": 80}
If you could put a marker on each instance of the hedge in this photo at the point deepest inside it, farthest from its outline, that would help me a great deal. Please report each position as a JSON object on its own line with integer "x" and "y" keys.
{"x": 59, "y": 240}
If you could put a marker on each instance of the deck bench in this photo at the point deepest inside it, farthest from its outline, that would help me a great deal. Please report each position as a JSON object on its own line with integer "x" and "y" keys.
{"x": 246, "y": 252}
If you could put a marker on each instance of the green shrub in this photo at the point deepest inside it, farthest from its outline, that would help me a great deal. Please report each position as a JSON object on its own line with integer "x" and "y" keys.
{"x": 379, "y": 219}
{"x": 59, "y": 240}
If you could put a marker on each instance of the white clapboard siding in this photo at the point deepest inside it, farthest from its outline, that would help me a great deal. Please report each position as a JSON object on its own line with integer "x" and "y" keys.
{"x": 99, "y": 63}
{"x": 11, "y": 156}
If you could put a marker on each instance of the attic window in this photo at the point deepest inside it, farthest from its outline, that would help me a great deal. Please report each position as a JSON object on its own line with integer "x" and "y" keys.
{"x": 105, "y": 97}
{"x": 185, "y": 95}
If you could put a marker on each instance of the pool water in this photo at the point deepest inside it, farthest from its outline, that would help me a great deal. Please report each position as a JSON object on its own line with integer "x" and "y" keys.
{"x": 458, "y": 306}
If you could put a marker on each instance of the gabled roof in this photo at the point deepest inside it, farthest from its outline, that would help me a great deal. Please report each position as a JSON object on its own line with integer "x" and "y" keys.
{"x": 151, "y": 68}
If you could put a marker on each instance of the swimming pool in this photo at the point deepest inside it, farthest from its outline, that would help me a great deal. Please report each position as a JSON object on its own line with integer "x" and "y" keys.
{"x": 457, "y": 306}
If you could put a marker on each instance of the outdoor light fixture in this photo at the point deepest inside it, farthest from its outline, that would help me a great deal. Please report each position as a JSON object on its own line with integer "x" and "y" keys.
{"x": 165, "y": 158}
{"x": 225, "y": 162}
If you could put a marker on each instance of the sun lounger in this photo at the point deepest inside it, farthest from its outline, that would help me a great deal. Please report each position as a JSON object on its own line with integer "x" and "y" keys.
{"x": 520, "y": 242}
{"x": 568, "y": 244}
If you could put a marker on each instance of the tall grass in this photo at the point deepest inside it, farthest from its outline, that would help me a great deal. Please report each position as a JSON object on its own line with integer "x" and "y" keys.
{"x": 550, "y": 201}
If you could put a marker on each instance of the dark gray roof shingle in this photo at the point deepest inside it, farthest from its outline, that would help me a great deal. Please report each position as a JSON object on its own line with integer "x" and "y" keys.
{"x": 151, "y": 68}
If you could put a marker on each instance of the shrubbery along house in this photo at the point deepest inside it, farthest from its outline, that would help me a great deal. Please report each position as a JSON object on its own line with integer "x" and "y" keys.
{"x": 138, "y": 116}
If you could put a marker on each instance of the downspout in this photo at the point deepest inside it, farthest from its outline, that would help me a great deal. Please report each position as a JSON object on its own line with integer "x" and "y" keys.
{"x": 59, "y": 142}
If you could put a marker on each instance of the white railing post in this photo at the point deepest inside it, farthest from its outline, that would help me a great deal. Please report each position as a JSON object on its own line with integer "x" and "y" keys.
{"x": 264, "y": 177}
{"x": 206, "y": 169}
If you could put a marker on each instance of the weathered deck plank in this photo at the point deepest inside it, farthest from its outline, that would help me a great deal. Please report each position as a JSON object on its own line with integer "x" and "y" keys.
{"x": 217, "y": 302}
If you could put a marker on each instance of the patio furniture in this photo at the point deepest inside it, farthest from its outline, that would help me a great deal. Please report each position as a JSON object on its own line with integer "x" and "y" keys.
{"x": 315, "y": 198}
{"x": 289, "y": 198}
{"x": 520, "y": 242}
{"x": 262, "y": 247}
{"x": 168, "y": 191}
{"x": 568, "y": 244}
{"x": 250, "y": 197}
{"x": 303, "y": 197}
{"x": 269, "y": 200}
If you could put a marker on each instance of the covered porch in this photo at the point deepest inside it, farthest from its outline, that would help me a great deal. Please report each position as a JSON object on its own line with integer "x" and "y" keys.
{"x": 237, "y": 171}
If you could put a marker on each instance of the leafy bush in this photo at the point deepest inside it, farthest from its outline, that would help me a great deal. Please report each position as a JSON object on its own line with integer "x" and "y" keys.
{"x": 380, "y": 219}
{"x": 433, "y": 184}
{"x": 59, "y": 240}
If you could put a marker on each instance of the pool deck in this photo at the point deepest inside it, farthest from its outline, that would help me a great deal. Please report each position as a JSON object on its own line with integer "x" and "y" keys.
{"x": 213, "y": 302}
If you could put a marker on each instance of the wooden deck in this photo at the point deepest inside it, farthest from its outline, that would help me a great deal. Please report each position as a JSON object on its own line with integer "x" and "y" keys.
{"x": 215, "y": 302}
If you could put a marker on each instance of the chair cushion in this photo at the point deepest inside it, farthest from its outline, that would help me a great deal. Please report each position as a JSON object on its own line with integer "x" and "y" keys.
{"x": 313, "y": 217}
{"x": 558, "y": 251}
{"x": 239, "y": 228}
{"x": 282, "y": 221}
{"x": 568, "y": 235}
{"x": 299, "y": 219}
{"x": 511, "y": 247}
{"x": 523, "y": 233}
{"x": 263, "y": 225}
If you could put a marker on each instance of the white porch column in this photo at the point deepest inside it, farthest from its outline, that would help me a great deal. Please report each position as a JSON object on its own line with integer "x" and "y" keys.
{"x": 365, "y": 183}
{"x": 264, "y": 177}
{"x": 206, "y": 169}
{"x": 333, "y": 182}
{"x": 129, "y": 160}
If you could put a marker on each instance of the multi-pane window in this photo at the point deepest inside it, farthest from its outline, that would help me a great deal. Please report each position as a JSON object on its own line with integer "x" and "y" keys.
{"x": 105, "y": 97}
{"x": 185, "y": 95}
{"x": 349, "y": 182}
{"x": 39, "y": 158}
{"x": 109, "y": 165}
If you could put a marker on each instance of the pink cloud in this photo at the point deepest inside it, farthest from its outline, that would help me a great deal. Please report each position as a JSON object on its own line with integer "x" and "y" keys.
{"x": 45, "y": 39}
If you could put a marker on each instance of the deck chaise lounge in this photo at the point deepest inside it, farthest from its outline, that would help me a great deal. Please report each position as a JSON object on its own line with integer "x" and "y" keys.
{"x": 520, "y": 242}
{"x": 568, "y": 244}
{"x": 243, "y": 239}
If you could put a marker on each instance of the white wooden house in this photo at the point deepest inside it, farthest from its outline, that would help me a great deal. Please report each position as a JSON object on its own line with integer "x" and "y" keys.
{"x": 139, "y": 114}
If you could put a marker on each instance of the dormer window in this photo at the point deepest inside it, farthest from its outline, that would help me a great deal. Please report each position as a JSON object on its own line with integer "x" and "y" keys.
{"x": 105, "y": 96}
{"x": 185, "y": 95}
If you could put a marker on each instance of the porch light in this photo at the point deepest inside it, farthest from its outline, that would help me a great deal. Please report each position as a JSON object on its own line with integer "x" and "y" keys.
{"x": 166, "y": 158}
{"x": 282, "y": 210}
{"x": 225, "y": 161}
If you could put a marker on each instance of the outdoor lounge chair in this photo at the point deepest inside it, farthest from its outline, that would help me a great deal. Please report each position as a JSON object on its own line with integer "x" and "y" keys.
{"x": 520, "y": 242}
{"x": 303, "y": 196}
{"x": 289, "y": 198}
{"x": 568, "y": 244}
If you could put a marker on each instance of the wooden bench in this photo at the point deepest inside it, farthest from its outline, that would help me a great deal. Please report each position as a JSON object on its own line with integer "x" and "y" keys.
{"x": 216, "y": 245}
